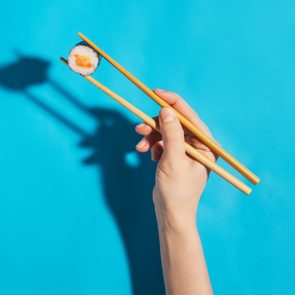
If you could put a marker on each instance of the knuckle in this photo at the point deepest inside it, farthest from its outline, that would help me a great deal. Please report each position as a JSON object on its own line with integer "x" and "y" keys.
{"x": 176, "y": 95}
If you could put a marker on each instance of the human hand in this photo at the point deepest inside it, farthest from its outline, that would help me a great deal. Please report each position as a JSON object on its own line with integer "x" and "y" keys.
{"x": 180, "y": 180}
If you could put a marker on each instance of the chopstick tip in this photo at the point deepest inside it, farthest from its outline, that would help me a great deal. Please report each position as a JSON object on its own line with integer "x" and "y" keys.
{"x": 80, "y": 35}
{"x": 62, "y": 59}
{"x": 257, "y": 180}
{"x": 248, "y": 191}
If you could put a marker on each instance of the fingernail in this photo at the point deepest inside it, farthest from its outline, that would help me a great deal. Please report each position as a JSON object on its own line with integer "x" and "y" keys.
{"x": 140, "y": 125}
{"x": 142, "y": 143}
{"x": 160, "y": 90}
{"x": 167, "y": 115}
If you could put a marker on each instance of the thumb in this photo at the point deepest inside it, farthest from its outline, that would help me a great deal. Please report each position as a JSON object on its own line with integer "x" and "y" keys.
{"x": 172, "y": 133}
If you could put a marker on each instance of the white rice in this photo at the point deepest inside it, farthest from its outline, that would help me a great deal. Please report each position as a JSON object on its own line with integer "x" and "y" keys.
{"x": 87, "y": 52}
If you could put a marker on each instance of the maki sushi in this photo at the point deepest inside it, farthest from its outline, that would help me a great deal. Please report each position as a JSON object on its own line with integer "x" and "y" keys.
{"x": 83, "y": 59}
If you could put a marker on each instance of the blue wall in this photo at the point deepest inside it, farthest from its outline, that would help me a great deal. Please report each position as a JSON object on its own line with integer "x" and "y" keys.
{"x": 76, "y": 214}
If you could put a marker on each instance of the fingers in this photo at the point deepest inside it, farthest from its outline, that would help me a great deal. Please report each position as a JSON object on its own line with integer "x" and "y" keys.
{"x": 152, "y": 141}
{"x": 172, "y": 134}
{"x": 151, "y": 137}
{"x": 143, "y": 129}
{"x": 143, "y": 145}
{"x": 183, "y": 107}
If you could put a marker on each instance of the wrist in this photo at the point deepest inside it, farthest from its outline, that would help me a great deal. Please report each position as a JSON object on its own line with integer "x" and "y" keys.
{"x": 175, "y": 221}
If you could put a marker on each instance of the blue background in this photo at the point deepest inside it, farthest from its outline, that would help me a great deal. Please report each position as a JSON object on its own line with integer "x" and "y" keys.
{"x": 76, "y": 213}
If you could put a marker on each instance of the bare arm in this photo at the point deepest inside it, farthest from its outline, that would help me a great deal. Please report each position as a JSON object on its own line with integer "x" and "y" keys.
{"x": 179, "y": 184}
{"x": 183, "y": 262}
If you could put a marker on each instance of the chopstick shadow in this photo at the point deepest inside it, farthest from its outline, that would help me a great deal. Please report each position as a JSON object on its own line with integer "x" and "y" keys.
{"x": 127, "y": 178}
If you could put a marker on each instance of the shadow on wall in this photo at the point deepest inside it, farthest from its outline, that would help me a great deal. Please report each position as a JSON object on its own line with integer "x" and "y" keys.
{"x": 127, "y": 184}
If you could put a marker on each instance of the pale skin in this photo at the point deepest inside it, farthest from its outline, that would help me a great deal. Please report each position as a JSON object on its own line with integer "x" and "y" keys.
{"x": 179, "y": 184}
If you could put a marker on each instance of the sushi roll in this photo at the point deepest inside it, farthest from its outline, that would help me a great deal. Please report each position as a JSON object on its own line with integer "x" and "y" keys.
{"x": 83, "y": 59}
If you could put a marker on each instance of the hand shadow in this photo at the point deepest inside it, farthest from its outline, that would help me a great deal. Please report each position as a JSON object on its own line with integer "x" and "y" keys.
{"x": 127, "y": 177}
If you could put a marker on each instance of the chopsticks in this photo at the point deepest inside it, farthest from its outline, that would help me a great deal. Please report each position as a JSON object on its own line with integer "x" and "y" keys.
{"x": 216, "y": 148}
{"x": 196, "y": 154}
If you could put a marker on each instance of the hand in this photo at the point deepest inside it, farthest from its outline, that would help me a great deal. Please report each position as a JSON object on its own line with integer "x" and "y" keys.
{"x": 180, "y": 180}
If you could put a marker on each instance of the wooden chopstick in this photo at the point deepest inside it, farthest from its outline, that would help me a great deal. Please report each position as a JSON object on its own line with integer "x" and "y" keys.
{"x": 216, "y": 148}
{"x": 196, "y": 154}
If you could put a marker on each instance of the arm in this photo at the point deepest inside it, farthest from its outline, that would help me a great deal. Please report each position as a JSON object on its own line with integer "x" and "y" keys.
{"x": 179, "y": 184}
{"x": 183, "y": 262}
